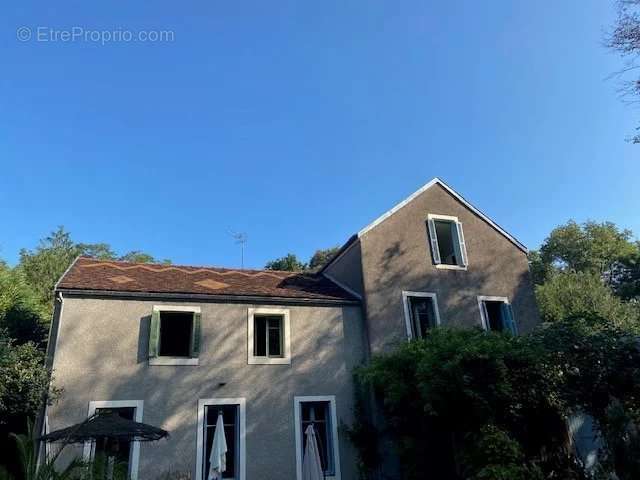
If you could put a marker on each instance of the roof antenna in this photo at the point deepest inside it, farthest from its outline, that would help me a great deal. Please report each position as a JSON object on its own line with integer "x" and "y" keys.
{"x": 240, "y": 238}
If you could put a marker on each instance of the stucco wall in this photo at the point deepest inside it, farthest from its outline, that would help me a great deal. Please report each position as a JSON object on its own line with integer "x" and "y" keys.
{"x": 102, "y": 355}
{"x": 347, "y": 269}
{"x": 396, "y": 257}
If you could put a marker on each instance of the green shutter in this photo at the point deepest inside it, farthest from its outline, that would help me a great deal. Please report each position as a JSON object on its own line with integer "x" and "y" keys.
{"x": 154, "y": 334}
{"x": 508, "y": 322}
{"x": 195, "y": 336}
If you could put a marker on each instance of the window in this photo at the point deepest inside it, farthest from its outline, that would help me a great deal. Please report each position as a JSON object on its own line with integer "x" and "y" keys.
{"x": 174, "y": 337}
{"x": 269, "y": 336}
{"x": 112, "y": 457}
{"x": 497, "y": 315}
{"x": 320, "y": 412}
{"x": 267, "y": 333}
{"x": 448, "y": 248}
{"x": 420, "y": 312}
{"x": 233, "y": 419}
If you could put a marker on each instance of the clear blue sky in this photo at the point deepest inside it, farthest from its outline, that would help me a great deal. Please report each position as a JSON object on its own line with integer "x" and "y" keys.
{"x": 300, "y": 122}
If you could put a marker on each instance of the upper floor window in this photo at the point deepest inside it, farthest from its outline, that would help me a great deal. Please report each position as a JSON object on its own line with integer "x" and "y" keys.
{"x": 420, "y": 312}
{"x": 269, "y": 336}
{"x": 174, "y": 337}
{"x": 446, "y": 237}
{"x": 496, "y": 314}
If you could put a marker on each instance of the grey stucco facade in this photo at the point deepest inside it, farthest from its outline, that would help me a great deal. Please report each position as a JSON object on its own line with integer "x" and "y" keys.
{"x": 101, "y": 354}
{"x": 101, "y": 341}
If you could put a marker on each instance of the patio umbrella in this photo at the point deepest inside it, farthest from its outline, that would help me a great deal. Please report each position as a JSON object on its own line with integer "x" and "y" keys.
{"x": 110, "y": 425}
{"x": 311, "y": 466}
{"x": 218, "y": 457}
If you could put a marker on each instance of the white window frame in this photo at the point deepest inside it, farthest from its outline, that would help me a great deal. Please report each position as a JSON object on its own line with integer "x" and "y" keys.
{"x": 242, "y": 446}
{"x": 286, "y": 340}
{"x": 134, "y": 459}
{"x": 488, "y": 298}
{"x": 447, "y": 218}
{"x": 406, "y": 295}
{"x": 164, "y": 360}
{"x": 297, "y": 400}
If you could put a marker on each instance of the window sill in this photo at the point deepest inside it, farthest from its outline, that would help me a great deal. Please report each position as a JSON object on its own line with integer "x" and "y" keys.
{"x": 268, "y": 361}
{"x": 442, "y": 266}
{"x": 174, "y": 361}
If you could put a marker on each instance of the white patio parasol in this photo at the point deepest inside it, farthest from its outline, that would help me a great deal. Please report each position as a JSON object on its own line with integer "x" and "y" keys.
{"x": 311, "y": 466}
{"x": 218, "y": 457}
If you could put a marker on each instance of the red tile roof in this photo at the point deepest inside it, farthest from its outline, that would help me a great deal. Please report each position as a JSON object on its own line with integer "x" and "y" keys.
{"x": 112, "y": 276}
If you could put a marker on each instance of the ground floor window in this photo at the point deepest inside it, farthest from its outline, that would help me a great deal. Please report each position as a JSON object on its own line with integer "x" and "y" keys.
{"x": 497, "y": 315}
{"x": 233, "y": 419}
{"x": 319, "y": 411}
{"x": 114, "y": 459}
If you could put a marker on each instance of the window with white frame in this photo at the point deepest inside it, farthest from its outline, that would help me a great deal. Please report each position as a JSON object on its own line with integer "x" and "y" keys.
{"x": 496, "y": 314}
{"x": 174, "y": 335}
{"x": 110, "y": 457}
{"x": 320, "y": 413}
{"x": 233, "y": 414}
{"x": 269, "y": 336}
{"x": 420, "y": 313}
{"x": 448, "y": 248}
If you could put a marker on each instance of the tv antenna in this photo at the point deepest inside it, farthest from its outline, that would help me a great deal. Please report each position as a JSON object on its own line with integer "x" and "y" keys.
{"x": 241, "y": 239}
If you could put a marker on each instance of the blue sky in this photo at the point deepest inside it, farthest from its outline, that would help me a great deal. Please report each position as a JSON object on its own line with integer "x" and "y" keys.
{"x": 300, "y": 122}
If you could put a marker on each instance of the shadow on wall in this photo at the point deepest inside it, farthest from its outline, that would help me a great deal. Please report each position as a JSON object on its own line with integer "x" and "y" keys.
{"x": 170, "y": 394}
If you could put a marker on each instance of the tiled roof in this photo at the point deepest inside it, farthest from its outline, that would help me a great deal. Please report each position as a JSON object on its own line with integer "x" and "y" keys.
{"x": 112, "y": 276}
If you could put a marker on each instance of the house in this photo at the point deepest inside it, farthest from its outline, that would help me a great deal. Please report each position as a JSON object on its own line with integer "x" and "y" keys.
{"x": 175, "y": 346}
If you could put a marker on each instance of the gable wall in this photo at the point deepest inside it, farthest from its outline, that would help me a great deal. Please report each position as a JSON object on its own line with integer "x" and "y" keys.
{"x": 396, "y": 257}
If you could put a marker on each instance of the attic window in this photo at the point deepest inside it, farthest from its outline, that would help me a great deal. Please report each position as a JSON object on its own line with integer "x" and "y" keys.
{"x": 448, "y": 248}
{"x": 174, "y": 335}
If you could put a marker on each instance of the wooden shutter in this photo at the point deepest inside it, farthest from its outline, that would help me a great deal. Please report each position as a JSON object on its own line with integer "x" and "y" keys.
{"x": 433, "y": 240}
{"x": 154, "y": 334}
{"x": 461, "y": 246}
{"x": 195, "y": 336}
{"x": 508, "y": 323}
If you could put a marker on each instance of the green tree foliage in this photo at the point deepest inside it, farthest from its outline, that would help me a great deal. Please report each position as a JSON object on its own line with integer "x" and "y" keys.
{"x": 24, "y": 381}
{"x": 321, "y": 257}
{"x": 289, "y": 262}
{"x": 567, "y": 294}
{"x": 500, "y": 402}
{"x": 22, "y": 316}
{"x": 43, "y": 266}
{"x": 292, "y": 263}
{"x": 443, "y": 395}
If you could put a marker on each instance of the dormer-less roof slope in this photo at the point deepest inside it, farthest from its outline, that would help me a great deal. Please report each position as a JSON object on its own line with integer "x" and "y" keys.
{"x": 93, "y": 276}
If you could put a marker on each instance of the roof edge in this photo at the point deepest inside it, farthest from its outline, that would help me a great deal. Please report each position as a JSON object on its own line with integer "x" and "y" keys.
{"x": 456, "y": 195}
{"x": 205, "y": 297}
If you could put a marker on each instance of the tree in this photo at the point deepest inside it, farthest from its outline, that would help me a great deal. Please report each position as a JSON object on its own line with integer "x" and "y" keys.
{"x": 321, "y": 257}
{"x": 567, "y": 294}
{"x": 289, "y": 263}
{"x": 43, "y": 266}
{"x": 595, "y": 248}
{"x": 22, "y": 316}
{"x": 625, "y": 40}
{"x": 137, "y": 256}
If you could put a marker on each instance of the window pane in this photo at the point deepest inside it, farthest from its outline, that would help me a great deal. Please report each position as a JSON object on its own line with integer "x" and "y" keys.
{"x": 444, "y": 232}
{"x": 111, "y": 457}
{"x": 275, "y": 337}
{"x": 423, "y": 315}
{"x": 260, "y": 336}
{"x": 317, "y": 414}
{"x": 494, "y": 314}
{"x": 229, "y": 418}
{"x": 175, "y": 333}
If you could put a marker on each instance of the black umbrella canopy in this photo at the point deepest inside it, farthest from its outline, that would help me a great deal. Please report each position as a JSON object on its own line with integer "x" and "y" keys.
{"x": 109, "y": 425}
